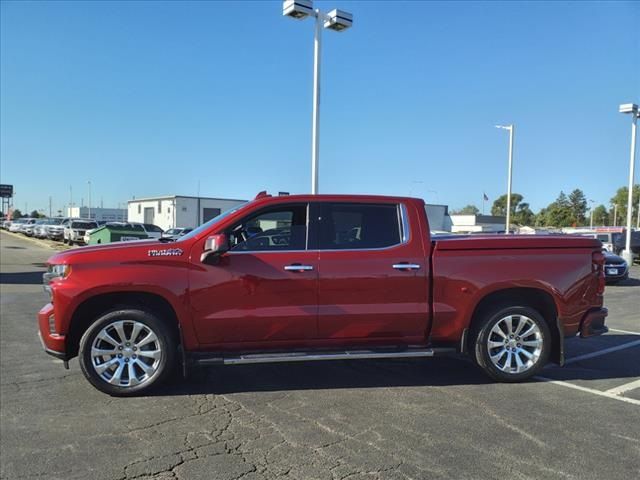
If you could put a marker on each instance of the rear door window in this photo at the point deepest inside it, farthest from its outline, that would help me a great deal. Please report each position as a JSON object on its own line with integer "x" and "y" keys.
{"x": 358, "y": 226}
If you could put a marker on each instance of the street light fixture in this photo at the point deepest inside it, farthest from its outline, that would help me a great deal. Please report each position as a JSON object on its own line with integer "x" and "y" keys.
{"x": 511, "y": 129}
{"x": 631, "y": 108}
{"x": 337, "y": 20}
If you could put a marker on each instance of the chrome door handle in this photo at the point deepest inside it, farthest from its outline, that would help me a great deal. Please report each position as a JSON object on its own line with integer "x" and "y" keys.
{"x": 406, "y": 266}
{"x": 298, "y": 268}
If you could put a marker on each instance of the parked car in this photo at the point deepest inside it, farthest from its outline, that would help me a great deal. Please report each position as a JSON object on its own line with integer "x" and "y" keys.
{"x": 175, "y": 233}
{"x": 26, "y": 227}
{"x": 55, "y": 231}
{"x": 6, "y": 224}
{"x": 16, "y": 224}
{"x": 153, "y": 231}
{"x": 75, "y": 229}
{"x": 319, "y": 277}
{"x": 615, "y": 268}
{"x": 621, "y": 241}
{"x": 40, "y": 228}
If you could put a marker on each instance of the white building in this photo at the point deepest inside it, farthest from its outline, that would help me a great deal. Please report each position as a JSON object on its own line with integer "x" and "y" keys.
{"x": 98, "y": 214}
{"x": 477, "y": 224}
{"x": 177, "y": 210}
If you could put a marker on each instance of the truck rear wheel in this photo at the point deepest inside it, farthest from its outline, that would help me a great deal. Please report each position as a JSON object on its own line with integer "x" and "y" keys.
{"x": 512, "y": 344}
{"x": 127, "y": 352}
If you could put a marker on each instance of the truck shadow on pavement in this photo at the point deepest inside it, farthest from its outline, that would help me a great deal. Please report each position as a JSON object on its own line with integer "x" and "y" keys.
{"x": 22, "y": 278}
{"x": 358, "y": 374}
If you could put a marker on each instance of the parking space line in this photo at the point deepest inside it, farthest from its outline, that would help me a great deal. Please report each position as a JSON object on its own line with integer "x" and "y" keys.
{"x": 602, "y": 352}
{"x": 624, "y": 388}
{"x": 623, "y": 331}
{"x": 633, "y": 401}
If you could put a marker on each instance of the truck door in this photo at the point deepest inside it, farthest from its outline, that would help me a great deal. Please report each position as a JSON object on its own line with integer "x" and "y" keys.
{"x": 373, "y": 273}
{"x": 263, "y": 291}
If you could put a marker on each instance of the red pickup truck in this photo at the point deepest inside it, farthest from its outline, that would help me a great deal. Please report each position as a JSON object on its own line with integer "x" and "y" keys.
{"x": 324, "y": 277}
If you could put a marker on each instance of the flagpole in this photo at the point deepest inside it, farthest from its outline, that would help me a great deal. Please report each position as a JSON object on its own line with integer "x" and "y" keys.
{"x": 483, "y": 203}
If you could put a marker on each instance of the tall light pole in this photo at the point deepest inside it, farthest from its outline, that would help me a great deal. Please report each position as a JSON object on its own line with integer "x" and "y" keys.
{"x": 615, "y": 214}
{"x": 591, "y": 208}
{"x": 511, "y": 129}
{"x": 337, "y": 20}
{"x": 631, "y": 108}
{"x": 89, "y": 204}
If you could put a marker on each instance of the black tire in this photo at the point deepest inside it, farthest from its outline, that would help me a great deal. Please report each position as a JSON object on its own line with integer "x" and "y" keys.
{"x": 486, "y": 338}
{"x": 164, "y": 342}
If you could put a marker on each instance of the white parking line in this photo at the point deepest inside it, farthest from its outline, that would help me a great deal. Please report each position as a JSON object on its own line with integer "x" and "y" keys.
{"x": 633, "y": 401}
{"x": 624, "y": 388}
{"x": 601, "y": 352}
{"x": 623, "y": 331}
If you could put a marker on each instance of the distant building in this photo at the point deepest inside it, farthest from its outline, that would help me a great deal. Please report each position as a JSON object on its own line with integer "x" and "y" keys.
{"x": 98, "y": 214}
{"x": 477, "y": 224}
{"x": 174, "y": 211}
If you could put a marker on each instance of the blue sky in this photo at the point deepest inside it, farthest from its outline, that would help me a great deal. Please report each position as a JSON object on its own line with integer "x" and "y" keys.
{"x": 150, "y": 98}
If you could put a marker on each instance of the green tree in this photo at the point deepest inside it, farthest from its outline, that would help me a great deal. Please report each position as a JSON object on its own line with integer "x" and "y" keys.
{"x": 468, "y": 210}
{"x": 499, "y": 207}
{"x": 620, "y": 199}
{"x": 600, "y": 215}
{"x": 34, "y": 214}
{"x": 16, "y": 214}
{"x": 521, "y": 213}
{"x": 557, "y": 213}
{"x": 578, "y": 202}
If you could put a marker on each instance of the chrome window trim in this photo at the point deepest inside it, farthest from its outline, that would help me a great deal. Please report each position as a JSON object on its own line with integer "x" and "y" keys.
{"x": 405, "y": 236}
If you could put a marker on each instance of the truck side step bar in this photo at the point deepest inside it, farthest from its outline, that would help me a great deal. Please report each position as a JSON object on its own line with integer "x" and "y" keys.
{"x": 310, "y": 356}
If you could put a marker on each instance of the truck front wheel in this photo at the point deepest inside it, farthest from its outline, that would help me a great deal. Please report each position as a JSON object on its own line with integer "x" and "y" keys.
{"x": 512, "y": 344}
{"x": 126, "y": 352}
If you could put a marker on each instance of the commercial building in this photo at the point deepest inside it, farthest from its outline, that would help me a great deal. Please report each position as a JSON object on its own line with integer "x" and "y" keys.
{"x": 98, "y": 214}
{"x": 178, "y": 210}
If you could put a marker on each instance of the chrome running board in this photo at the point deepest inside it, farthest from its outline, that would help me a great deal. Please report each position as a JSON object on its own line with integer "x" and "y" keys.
{"x": 314, "y": 356}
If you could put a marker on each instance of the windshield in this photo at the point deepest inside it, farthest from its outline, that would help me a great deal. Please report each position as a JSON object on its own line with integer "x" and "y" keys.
{"x": 207, "y": 225}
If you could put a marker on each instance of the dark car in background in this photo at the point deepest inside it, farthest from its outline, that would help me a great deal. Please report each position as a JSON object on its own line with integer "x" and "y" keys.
{"x": 621, "y": 240}
{"x": 615, "y": 268}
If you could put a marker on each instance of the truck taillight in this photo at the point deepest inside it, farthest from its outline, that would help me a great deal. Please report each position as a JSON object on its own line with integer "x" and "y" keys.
{"x": 597, "y": 266}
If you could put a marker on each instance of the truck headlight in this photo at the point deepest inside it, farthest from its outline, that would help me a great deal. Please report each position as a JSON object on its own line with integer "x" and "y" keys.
{"x": 56, "y": 271}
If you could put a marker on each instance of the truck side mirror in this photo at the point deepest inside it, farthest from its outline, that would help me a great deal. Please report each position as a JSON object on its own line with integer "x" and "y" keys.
{"x": 214, "y": 246}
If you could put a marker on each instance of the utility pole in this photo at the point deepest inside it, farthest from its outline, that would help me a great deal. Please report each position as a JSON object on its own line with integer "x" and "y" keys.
{"x": 50, "y": 211}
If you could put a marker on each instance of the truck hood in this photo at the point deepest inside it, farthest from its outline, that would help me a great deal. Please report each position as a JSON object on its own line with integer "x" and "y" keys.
{"x": 509, "y": 242}
{"x": 120, "y": 252}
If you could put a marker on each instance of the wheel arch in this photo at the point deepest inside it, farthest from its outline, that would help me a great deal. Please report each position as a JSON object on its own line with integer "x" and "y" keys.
{"x": 536, "y": 298}
{"x": 90, "y": 308}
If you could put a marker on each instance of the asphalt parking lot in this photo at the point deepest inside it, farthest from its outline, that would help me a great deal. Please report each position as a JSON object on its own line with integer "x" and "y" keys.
{"x": 403, "y": 419}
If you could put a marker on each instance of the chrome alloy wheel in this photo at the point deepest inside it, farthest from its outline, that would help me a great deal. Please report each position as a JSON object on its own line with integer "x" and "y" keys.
{"x": 126, "y": 353}
{"x": 515, "y": 344}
